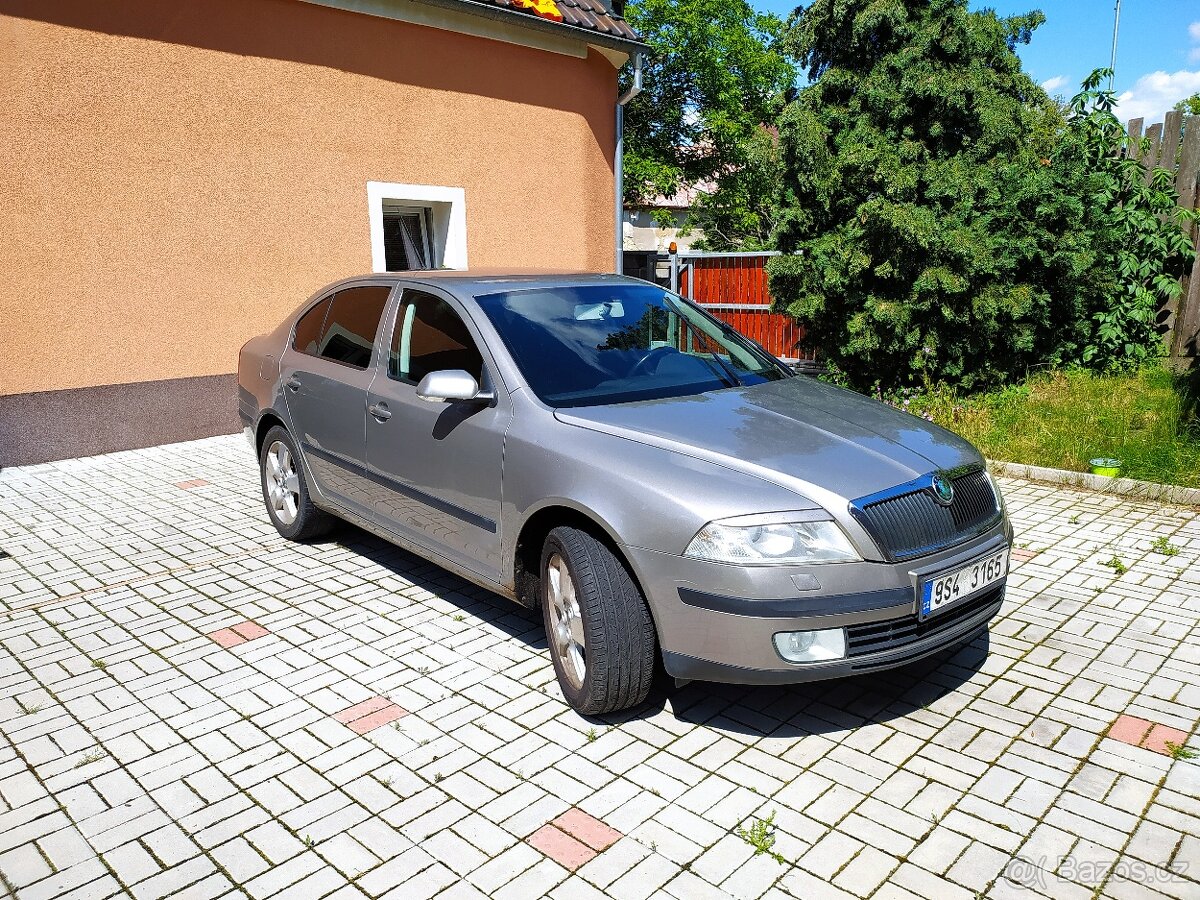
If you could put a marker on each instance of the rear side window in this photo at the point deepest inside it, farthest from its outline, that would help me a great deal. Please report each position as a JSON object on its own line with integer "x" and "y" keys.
{"x": 342, "y": 327}
{"x": 309, "y": 328}
{"x": 430, "y": 337}
{"x": 352, "y": 323}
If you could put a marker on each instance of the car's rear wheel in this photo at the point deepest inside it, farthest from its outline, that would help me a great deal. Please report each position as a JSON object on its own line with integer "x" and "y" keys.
{"x": 285, "y": 490}
{"x": 598, "y": 626}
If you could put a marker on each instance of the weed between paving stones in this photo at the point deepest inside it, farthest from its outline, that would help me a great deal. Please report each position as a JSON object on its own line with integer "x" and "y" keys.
{"x": 1164, "y": 547}
{"x": 1179, "y": 751}
{"x": 1116, "y": 565}
{"x": 761, "y": 836}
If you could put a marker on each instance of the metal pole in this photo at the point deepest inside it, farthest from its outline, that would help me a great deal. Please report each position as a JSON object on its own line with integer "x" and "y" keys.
{"x": 1113, "y": 63}
{"x": 619, "y": 164}
{"x": 619, "y": 178}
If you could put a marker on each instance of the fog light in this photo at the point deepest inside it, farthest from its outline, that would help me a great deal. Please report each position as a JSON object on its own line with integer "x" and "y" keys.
{"x": 811, "y": 646}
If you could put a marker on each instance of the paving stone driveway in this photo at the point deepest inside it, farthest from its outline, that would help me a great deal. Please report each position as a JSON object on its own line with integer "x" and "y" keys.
{"x": 190, "y": 706}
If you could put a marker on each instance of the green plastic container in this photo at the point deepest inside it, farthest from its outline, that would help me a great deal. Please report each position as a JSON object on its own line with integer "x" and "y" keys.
{"x": 1106, "y": 466}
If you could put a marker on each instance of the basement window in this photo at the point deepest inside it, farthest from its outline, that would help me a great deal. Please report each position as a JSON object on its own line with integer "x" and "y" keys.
{"x": 416, "y": 226}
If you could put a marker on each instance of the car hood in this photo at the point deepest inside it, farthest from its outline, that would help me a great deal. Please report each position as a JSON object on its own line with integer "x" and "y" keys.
{"x": 829, "y": 444}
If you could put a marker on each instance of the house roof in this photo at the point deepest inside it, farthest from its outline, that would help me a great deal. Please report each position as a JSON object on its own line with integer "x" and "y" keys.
{"x": 593, "y": 16}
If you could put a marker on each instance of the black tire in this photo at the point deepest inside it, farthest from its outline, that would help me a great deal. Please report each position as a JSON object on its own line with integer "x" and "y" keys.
{"x": 621, "y": 647}
{"x": 309, "y": 522}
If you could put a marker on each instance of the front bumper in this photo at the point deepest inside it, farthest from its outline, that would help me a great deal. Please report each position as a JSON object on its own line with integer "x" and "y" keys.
{"x": 717, "y": 622}
{"x": 901, "y": 651}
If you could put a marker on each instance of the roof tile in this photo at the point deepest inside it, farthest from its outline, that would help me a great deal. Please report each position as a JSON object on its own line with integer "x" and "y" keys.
{"x": 593, "y": 15}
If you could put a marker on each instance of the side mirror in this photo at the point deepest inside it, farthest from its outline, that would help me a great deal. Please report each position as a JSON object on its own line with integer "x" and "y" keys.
{"x": 451, "y": 384}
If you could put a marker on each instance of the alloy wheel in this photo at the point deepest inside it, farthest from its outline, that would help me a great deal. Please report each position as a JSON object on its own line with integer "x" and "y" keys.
{"x": 282, "y": 482}
{"x": 566, "y": 621}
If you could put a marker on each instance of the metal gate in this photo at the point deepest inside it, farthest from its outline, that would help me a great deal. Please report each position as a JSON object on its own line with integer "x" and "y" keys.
{"x": 733, "y": 287}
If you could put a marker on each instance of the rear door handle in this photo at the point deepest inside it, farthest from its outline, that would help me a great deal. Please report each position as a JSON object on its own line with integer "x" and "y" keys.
{"x": 293, "y": 383}
{"x": 380, "y": 411}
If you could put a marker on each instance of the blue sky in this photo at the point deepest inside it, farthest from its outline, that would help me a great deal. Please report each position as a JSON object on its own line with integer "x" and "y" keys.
{"x": 1158, "y": 52}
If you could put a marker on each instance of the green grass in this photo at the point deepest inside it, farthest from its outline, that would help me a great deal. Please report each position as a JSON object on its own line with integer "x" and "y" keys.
{"x": 1064, "y": 419}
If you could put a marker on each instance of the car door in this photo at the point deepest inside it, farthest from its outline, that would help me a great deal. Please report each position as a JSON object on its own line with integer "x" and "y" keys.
{"x": 326, "y": 373}
{"x": 441, "y": 462}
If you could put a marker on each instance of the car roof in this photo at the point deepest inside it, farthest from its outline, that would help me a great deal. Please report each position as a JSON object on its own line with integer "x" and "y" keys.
{"x": 487, "y": 281}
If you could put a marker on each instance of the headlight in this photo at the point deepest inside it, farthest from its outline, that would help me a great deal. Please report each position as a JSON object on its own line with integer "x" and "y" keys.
{"x": 771, "y": 542}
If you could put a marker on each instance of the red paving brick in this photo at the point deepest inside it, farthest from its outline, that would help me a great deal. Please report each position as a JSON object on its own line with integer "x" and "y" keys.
{"x": 1146, "y": 734}
{"x": 193, "y": 483}
{"x": 1160, "y": 736}
{"x": 590, "y": 830}
{"x": 358, "y": 710}
{"x": 1020, "y": 554}
{"x": 250, "y": 630}
{"x": 227, "y": 637}
{"x": 376, "y": 719}
{"x": 561, "y": 847}
{"x": 1129, "y": 730}
{"x": 238, "y": 634}
{"x": 372, "y": 713}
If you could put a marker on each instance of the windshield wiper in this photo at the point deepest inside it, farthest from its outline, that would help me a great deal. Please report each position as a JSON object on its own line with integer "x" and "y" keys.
{"x": 768, "y": 356}
{"x": 730, "y": 375}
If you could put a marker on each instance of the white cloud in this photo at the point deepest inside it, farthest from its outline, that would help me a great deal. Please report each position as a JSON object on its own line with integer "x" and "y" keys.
{"x": 1152, "y": 95}
{"x": 1052, "y": 85}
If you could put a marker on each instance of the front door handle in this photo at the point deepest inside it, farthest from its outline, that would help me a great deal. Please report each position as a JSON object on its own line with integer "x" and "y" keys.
{"x": 380, "y": 411}
{"x": 293, "y": 383}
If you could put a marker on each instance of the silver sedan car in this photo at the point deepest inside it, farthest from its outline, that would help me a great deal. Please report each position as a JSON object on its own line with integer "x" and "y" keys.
{"x": 658, "y": 485}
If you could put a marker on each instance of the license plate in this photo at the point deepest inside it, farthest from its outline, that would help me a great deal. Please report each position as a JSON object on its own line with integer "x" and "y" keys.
{"x": 950, "y": 588}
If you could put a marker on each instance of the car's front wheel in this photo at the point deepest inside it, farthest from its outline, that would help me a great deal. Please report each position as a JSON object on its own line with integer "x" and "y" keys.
{"x": 285, "y": 490}
{"x": 598, "y": 626}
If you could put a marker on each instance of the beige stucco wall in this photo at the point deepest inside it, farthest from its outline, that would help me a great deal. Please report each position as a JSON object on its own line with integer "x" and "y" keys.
{"x": 178, "y": 176}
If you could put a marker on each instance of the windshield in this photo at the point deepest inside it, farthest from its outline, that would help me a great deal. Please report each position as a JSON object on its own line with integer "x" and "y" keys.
{"x": 595, "y": 344}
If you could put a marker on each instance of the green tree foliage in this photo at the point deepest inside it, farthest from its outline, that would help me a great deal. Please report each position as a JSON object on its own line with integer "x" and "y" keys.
{"x": 943, "y": 221}
{"x": 1190, "y": 105}
{"x": 712, "y": 79}
{"x": 743, "y": 212}
{"x": 1134, "y": 217}
{"x": 926, "y": 234}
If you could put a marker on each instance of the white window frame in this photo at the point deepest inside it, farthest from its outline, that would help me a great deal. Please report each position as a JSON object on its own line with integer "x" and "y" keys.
{"x": 447, "y": 214}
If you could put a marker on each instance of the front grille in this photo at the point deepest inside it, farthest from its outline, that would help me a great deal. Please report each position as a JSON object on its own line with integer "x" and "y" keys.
{"x": 892, "y": 634}
{"x": 912, "y": 523}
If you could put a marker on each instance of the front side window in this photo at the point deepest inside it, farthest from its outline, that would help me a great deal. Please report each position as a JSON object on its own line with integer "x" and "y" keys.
{"x": 596, "y": 344}
{"x": 430, "y": 336}
{"x": 351, "y": 324}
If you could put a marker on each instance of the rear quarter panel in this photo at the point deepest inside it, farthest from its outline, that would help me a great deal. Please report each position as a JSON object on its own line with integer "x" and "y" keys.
{"x": 258, "y": 374}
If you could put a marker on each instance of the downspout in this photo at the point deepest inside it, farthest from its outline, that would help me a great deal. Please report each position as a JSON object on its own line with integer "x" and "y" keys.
{"x": 618, "y": 162}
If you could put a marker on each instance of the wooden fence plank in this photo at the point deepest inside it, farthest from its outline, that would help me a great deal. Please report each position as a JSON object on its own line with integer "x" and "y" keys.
{"x": 1189, "y": 163}
{"x": 1186, "y": 333}
{"x": 1186, "y": 321}
{"x": 1135, "y": 135}
{"x": 1172, "y": 131}
{"x": 1150, "y": 157}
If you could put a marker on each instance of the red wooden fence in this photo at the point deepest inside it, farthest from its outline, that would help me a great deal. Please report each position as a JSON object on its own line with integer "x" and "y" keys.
{"x": 733, "y": 287}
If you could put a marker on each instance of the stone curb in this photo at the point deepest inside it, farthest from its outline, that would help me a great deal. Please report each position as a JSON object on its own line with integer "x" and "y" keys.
{"x": 1123, "y": 487}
